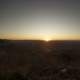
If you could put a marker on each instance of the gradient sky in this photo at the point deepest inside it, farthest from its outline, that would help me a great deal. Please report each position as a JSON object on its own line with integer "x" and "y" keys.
{"x": 36, "y": 19}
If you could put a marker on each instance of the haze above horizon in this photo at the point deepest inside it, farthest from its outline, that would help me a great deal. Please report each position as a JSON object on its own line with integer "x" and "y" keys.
{"x": 40, "y": 19}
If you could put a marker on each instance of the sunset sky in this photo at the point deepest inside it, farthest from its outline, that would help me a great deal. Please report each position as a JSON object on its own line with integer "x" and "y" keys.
{"x": 40, "y": 19}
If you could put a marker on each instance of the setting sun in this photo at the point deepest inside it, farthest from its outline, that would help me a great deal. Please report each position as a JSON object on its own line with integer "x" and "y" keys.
{"x": 47, "y": 39}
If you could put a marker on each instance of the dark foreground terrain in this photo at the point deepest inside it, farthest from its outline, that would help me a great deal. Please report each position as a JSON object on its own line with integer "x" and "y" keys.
{"x": 39, "y": 60}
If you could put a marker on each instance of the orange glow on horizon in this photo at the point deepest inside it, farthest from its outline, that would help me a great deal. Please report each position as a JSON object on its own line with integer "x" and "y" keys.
{"x": 40, "y": 37}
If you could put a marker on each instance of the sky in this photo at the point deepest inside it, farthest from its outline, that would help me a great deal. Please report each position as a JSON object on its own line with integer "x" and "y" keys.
{"x": 40, "y": 19}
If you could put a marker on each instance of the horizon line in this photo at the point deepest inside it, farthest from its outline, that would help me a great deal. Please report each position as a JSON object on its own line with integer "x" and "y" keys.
{"x": 40, "y": 37}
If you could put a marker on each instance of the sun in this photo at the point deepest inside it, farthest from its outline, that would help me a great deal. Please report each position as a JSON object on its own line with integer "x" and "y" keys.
{"x": 47, "y": 39}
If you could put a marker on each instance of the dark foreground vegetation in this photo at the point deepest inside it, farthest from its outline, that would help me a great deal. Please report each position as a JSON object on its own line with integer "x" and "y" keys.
{"x": 46, "y": 73}
{"x": 39, "y": 60}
